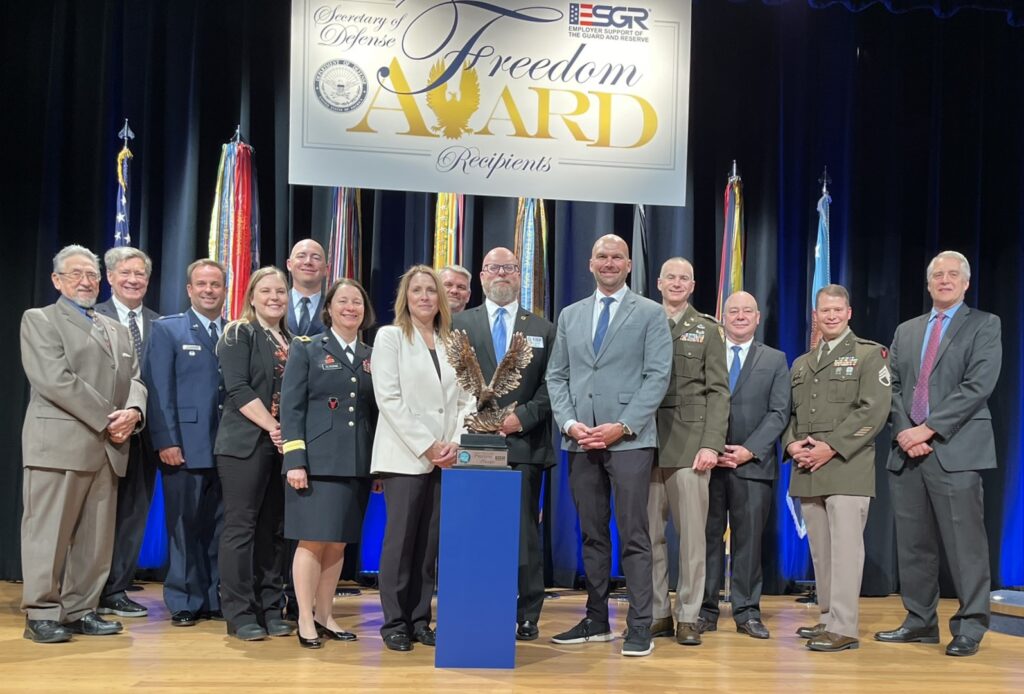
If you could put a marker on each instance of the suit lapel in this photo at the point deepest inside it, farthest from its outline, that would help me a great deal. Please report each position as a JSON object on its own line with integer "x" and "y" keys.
{"x": 200, "y": 333}
{"x": 749, "y": 365}
{"x": 334, "y": 348}
{"x": 628, "y": 304}
{"x": 917, "y": 330}
{"x": 480, "y": 323}
{"x": 959, "y": 319}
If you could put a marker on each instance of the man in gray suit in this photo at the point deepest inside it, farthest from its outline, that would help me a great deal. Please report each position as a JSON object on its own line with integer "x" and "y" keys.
{"x": 741, "y": 483}
{"x": 527, "y": 430}
{"x": 608, "y": 373}
{"x": 87, "y": 400}
{"x": 945, "y": 365}
{"x": 128, "y": 272}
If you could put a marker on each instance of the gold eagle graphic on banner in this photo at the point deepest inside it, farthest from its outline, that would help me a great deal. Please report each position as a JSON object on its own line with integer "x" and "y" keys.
{"x": 453, "y": 113}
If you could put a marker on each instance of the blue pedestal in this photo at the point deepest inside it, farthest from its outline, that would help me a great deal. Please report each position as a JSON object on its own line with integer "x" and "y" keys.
{"x": 478, "y": 568}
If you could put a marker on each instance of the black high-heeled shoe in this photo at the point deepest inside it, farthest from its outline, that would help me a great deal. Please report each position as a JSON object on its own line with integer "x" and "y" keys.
{"x": 321, "y": 630}
{"x": 309, "y": 643}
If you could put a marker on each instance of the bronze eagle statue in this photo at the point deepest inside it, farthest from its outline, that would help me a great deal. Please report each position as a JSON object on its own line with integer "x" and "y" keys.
{"x": 507, "y": 376}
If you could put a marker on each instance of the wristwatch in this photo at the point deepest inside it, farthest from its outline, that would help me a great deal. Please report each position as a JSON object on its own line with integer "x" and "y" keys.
{"x": 626, "y": 431}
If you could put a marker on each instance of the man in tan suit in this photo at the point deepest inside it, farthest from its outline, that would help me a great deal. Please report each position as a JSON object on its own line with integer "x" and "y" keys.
{"x": 841, "y": 397}
{"x": 87, "y": 399}
{"x": 692, "y": 423}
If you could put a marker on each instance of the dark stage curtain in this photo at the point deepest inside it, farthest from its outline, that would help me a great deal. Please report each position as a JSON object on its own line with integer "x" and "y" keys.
{"x": 917, "y": 118}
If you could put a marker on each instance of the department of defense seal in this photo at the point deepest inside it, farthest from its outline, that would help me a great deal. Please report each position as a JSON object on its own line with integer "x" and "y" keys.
{"x": 340, "y": 85}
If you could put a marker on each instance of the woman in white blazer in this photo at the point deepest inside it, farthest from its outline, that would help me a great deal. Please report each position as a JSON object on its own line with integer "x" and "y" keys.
{"x": 417, "y": 433}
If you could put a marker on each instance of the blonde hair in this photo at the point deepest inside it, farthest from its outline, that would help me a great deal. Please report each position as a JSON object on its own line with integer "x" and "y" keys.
{"x": 249, "y": 313}
{"x": 403, "y": 319}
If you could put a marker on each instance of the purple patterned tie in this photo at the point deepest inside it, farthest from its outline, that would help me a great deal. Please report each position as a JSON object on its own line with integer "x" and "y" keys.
{"x": 919, "y": 408}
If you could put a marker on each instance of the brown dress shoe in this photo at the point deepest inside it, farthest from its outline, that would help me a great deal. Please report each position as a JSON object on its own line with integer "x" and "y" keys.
{"x": 830, "y": 643}
{"x": 811, "y": 632}
{"x": 687, "y": 634}
{"x": 662, "y": 627}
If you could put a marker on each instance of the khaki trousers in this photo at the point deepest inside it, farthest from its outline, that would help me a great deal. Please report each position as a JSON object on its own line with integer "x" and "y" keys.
{"x": 682, "y": 492}
{"x": 835, "y": 529}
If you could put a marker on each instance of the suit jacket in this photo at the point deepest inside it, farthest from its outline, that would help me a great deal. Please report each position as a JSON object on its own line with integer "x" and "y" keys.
{"x": 844, "y": 401}
{"x": 185, "y": 392}
{"x": 963, "y": 377}
{"x": 247, "y": 364}
{"x": 694, "y": 413}
{"x": 533, "y": 444}
{"x": 77, "y": 379}
{"x": 316, "y": 326}
{"x": 624, "y": 382}
{"x": 416, "y": 409}
{"x": 328, "y": 413}
{"x": 759, "y": 410}
{"x": 107, "y": 308}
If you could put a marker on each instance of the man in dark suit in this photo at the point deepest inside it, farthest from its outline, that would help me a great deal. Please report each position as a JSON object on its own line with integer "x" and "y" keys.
{"x": 185, "y": 399}
{"x": 456, "y": 280}
{"x": 608, "y": 373}
{"x": 87, "y": 401}
{"x": 528, "y": 429}
{"x": 307, "y": 267}
{"x": 740, "y": 491}
{"x": 128, "y": 272}
{"x": 945, "y": 366}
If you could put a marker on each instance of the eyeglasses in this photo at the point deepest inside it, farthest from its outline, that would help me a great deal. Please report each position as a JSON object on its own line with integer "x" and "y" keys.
{"x": 495, "y": 268}
{"x": 78, "y": 275}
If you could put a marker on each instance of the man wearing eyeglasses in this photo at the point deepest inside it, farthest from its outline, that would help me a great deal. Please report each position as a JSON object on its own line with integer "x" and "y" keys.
{"x": 528, "y": 430}
{"x": 128, "y": 272}
{"x": 87, "y": 400}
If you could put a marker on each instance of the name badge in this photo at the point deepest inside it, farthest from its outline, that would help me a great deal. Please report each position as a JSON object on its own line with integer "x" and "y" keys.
{"x": 192, "y": 348}
{"x": 535, "y": 341}
{"x": 330, "y": 367}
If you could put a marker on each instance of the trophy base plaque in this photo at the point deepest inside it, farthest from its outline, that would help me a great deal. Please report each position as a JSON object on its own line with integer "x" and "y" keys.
{"x": 482, "y": 451}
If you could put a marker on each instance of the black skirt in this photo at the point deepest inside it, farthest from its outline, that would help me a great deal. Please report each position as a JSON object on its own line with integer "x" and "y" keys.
{"x": 331, "y": 509}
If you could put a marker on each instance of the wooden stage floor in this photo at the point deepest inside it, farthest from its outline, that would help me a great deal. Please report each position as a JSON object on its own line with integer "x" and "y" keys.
{"x": 153, "y": 656}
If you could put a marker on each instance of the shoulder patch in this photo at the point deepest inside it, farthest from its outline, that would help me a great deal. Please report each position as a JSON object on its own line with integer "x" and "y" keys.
{"x": 885, "y": 353}
{"x": 884, "y": 377}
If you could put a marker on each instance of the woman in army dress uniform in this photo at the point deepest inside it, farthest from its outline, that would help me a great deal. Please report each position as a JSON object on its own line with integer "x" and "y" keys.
{"x": 327, "y": 424}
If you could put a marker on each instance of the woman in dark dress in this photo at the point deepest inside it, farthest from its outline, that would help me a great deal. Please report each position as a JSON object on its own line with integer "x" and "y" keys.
{"x": 327, "y": 424}
{"x": 252, "y": 352}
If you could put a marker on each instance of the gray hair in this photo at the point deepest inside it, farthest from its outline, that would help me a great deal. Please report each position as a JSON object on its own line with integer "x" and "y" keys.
{"x": 71, "y": 251}
{"x": 119, "y": 254}
{"x": 457, "y": 269}
{"x": 965, "y": 267}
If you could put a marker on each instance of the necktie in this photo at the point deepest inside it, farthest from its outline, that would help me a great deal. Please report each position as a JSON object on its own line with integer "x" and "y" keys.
{"x": 734, "y": 370}
{"x": 101, "y": 334}
{"x": 213, "y": 331}
{"x": 499, "y": 334}
{"x": 350, "y": 354}
{"x": 919, "y": 407}
{"x": 602, "y": 323}
{"x": 823, "y": 355}
{"x": 304, "y": 319}
{"x": 133, "y": 330}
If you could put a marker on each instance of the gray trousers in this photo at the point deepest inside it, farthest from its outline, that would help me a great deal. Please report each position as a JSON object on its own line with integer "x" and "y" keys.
{"x": 595, "y": 476}
{"x": 835, "y": 529}
{"x": 931, "y": 504}
{"x": 683, "y": 492}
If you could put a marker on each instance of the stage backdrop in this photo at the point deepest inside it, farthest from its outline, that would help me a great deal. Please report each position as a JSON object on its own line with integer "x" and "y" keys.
{"x": 918, "y": 119}
{"x": 554, "y": 100}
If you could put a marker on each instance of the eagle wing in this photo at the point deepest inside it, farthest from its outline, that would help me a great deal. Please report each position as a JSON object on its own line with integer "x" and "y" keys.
{"x": 469, "y": 98}
{"x": 508, "y": 375}
{"x": 462, "y": 357}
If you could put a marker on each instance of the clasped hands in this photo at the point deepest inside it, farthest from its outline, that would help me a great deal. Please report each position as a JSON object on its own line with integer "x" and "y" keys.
{"x": 598, "y": 437}
{"x": 121, "y": 423}
{"x": 914, "y": 441}
{"x": 810, "y": 454}
{"x": 442, "y": 454}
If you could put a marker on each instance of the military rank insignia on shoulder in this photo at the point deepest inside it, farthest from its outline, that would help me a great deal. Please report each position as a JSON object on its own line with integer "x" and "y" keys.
{"x": 303, "y": 338}
{"x": 884, "y": 376}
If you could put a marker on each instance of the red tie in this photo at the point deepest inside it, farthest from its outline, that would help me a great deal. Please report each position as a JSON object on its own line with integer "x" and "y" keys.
{"x": 919, "y": 408}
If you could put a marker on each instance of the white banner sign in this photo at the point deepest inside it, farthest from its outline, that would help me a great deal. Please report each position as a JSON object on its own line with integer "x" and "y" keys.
{"x": 561, "y": 100}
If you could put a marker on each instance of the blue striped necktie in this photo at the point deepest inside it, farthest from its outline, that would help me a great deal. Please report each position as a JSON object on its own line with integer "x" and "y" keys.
{"x": 499, "y": 334}
{"x": 602, "y": 323}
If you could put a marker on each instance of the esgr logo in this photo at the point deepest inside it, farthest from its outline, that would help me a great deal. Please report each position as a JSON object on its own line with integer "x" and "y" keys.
{"x": 617, "y": 16}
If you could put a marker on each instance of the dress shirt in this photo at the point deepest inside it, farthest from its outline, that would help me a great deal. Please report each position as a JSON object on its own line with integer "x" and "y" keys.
{"x": 122, "y": 315}
{"x": 350, "y": 345}
{"x": 511, "y": 310}
{"x": 205, "y": 322}
{"x": 599, "y": 306}
{"x": 949, "y": 313}
{"x": 314, "y": 302}
{"x": 744, "y": 351}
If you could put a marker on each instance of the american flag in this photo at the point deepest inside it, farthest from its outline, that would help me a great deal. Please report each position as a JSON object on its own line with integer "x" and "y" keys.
{"x": 122, "y": 234}
{"x": 581, "y": 14}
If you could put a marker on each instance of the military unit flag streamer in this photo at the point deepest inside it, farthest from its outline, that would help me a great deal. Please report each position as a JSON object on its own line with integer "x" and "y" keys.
{"x": 235, "y": 222}
{"x": 730, "y": 275}
{"x": 822, "y": 274}
{"x": 345, "y": 247}
{"x": 122, "y": 232}
{"x": 531, "y": 247}
{"x": 448, "y": 229}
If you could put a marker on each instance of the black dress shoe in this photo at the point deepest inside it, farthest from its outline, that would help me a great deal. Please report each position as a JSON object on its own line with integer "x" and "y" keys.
{"x": 753, "y": 627}
{"x": 279, "y": 627}
{"x": 183, "y": 618}
{"x": 905, "y": 635}
{"x": 122, "y": 606}
{"x": 425, "y": 635}
{"x": 962, "y": 645}
{"x": 309, "y": 643}
{"x": 398, "y": 642}
{"x": 91, "y": 624}
{"x": 527, "y": 631}
{"x": 46, "y": 631}
{"x": 340, "y": 635}
{"x": 250, "y": 632}
{"x": 705, "y": 625}
{"x": 215, "y": 615}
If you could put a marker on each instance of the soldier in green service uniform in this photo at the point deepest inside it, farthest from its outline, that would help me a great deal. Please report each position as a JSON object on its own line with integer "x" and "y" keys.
{"x": 841, "y": 399}
{"x": 692, "y": 423}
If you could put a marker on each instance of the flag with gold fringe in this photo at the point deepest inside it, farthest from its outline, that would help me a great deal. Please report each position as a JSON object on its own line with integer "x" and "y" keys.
{"x": 345, "y": 247}
{"x": 448, "y": 229}
{"x": 531, "y": 247}
{"x": 730, "y": 275}
{"x": 235, "y": 222}
{"x": 122, "y": 205}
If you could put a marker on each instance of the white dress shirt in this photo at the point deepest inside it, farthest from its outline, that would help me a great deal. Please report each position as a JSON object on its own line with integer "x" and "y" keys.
{"x": 122, "y": 316}
{"x": 350, "y": 345}
{"x": 510, "y": 314}
{"x": 599, "y": 306}
{"x": 730, "y": 354}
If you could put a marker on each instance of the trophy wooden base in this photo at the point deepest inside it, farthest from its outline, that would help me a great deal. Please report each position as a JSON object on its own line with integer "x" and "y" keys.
{"x": 482, "y": 451}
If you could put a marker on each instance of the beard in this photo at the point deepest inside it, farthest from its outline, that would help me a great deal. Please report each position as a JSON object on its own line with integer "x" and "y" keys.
{"x": 502, "y": 294}
{"x": 84, "y": 303}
